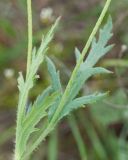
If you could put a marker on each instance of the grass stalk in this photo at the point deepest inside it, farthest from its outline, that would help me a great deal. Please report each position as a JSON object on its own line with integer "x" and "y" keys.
{"x": 96, "y": 142}
{"x": 115, "y": 63}
{"x": 77, "y": 135}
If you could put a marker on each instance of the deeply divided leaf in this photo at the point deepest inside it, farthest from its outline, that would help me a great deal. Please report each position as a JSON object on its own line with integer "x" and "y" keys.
{"x": 46, "y": 104}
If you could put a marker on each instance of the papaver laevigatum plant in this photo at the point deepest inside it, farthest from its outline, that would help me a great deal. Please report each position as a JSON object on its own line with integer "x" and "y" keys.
{"x": 54, "y": 103}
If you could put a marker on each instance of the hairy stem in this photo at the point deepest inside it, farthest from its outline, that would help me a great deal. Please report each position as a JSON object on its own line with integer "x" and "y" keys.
{"x": 23, "y": 97}
{"x": 54, "y": 121}
{"x": 29, "y": 11}
{"x": 67, "y": 91}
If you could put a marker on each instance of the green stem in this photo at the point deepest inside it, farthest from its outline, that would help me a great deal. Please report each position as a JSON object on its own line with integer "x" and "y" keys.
{"x": 67, "y": 90}
{"x": 22, "y": 102}
{"x": 54, "y": 121}
{"x": 53, "y": 145}
{"x": 29, "y": 11}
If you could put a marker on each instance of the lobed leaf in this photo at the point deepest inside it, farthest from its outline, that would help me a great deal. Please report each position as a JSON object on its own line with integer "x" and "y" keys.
{"x": 97, "y": 51}
{"x": 55, "y": 78}
{"x": 86, "y": 69}
{"x": 56, "y": 85}
{"x": 79, "y": 102}
{"x": 33, "y": 118}
{"x": 47, "y": 103}
{"x": 20, "y": 81}
{"x": 26, "y": 122}
{"x": 83, "y": 76}
{"x": 99, "y": 48}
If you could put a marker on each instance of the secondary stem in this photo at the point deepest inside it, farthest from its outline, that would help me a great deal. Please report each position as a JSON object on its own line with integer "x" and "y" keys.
{"x": 53, "y": 121}
{"x": 67, "y": 91}
{"x": 29, "y": 11}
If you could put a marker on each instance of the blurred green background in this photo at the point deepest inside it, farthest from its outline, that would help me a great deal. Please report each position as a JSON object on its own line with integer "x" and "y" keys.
{"x": 98, "y": 132}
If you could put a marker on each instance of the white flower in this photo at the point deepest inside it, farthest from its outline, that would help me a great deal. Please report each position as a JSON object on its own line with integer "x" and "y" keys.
{"x": 8, "y": 73}
{"x": 124, "y": 48}
{"x": 47, "y": 14}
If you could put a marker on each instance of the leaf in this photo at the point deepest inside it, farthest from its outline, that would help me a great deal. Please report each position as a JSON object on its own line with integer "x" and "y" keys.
{"x": 41, "y": 98}
{"x": 33, "y": 118}
{"x": 99, "y": 49}
{"x": 77, "y": 54}
{"x": 48, "y": 37}
{"x": 79, "y": 102}
{"x": 53, "y": 108}
{"x": 37, "y": 58}
{"x": 55, "y": 78}
{"x": 82, "y": 76}
{"x": 56, "y": 84}
{"x": 20, "y": 81}
{"x": 37, "y": 112}
{"x": 57, "y": 105}
{"x": 86, "y": 69}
